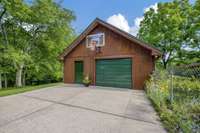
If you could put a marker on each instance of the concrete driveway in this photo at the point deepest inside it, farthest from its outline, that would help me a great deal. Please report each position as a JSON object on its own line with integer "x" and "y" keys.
{"x": 76, "y": 109}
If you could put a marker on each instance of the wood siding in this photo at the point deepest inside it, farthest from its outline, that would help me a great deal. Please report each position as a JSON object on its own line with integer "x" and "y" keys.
{"x": 116, "y": 46}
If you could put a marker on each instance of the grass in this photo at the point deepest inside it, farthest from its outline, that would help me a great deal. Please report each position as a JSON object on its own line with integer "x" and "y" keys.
{"x": 15, "y": 90}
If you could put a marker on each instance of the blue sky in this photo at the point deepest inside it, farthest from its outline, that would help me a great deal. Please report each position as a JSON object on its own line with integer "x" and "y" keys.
{"x": 126, "y": 10}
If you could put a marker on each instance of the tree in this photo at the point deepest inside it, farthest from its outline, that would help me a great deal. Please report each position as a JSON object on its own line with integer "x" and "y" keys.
{"x": 165, "y": 28}
{"x": 193, "y": 34}
{"x": 34, "y": 35}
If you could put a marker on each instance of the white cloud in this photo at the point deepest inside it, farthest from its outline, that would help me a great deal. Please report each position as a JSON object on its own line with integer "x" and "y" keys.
{"x": 121, "y": 22}
{"x": 138, "y": 20}
{"x": 135, "y": 28}
{"x": 154, "y": 6}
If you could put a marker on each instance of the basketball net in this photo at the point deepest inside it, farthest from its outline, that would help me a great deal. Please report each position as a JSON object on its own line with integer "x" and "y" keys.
{"x": 92, "y": 45}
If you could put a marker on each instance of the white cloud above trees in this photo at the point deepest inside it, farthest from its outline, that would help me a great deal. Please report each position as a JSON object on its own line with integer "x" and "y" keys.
{"x": 121, "y": 22}
{"x": 154, "y": 6}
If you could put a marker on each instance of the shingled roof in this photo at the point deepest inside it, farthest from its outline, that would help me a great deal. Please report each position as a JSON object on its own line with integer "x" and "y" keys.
{"x": 97, "y": 21}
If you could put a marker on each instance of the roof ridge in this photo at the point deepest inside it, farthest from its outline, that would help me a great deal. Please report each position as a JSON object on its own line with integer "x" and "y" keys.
{"x": 111, "y": 27}
{"x": 128, "y": 34}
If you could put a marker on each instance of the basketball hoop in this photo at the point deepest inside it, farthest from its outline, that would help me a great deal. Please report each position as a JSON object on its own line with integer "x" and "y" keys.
{"x": 95, "y": 42}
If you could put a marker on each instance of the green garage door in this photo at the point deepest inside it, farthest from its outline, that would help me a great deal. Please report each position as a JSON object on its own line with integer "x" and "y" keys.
{"x": 114, "y": 73}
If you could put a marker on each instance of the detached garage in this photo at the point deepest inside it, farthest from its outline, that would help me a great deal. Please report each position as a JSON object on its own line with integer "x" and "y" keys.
{"x": 110, "y": 57}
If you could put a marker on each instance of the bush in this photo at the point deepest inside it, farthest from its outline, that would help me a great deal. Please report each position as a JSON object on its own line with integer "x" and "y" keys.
{"x": 86, "y": 81}
{"x": 183, "y": 114}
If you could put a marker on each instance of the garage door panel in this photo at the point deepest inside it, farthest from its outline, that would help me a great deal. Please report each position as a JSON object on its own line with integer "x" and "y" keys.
{"x": 110, "y": 78}
{"x": 114, "y": 72}
{"x": 112, "y": 84}
{"x": 109, "y": 73}
{"x": 113, "y": 61}
{"x": 114, "y": 66}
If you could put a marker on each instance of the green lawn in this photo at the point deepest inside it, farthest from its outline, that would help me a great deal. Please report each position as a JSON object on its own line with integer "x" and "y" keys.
{"x": 14, "y": 90}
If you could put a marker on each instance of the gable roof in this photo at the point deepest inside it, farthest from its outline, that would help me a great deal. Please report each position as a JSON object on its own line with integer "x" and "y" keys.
{"x": 97, "y": 21}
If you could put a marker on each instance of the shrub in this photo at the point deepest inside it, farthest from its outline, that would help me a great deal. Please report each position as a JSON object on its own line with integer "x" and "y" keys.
{"x": 183, "y": 114}
{"x": 86, "y": 81}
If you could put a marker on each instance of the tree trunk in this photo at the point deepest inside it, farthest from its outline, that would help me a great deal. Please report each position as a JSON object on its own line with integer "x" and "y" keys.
{"x": 1, "y": 16}
{"x": 165, "y": 64}
{"x": 0, "y": 82}
{"x": 4, "y": 35}
{"x": 164, "y": 61}
{"x": 5, "y": 80}
{"x": 19, "y": 75}
{"x": 24, "y": 78}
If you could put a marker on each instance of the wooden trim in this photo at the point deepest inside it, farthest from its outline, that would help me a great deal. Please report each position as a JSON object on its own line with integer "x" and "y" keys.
{"x": 94, "y": 67}
{"x": 132, "y": 73}
{"x": 102, "y": 57}
{"x": 113, "y": 57}
{"x": 79, "y": 59}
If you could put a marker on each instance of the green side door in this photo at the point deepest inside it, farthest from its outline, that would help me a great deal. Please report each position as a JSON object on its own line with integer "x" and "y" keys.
{"x": 78, "y": 72}
{"x": 114, "y": 73}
